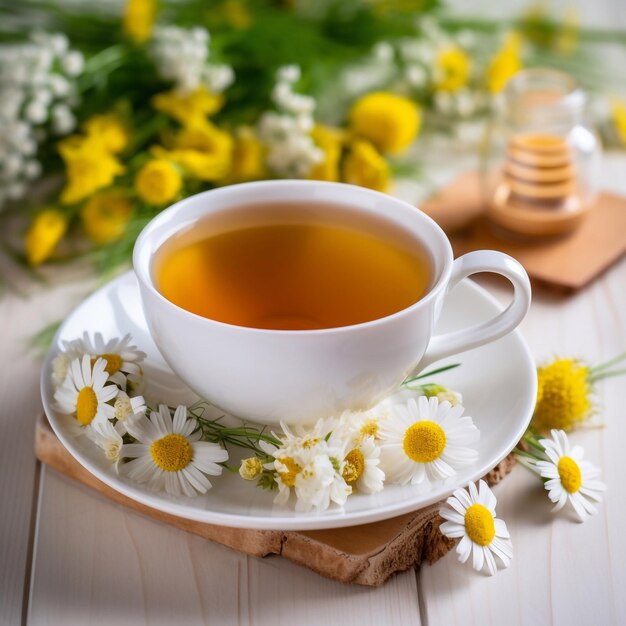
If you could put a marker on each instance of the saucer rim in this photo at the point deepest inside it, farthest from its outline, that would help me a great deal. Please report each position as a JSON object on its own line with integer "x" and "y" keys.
{"x": 331, "y": 518}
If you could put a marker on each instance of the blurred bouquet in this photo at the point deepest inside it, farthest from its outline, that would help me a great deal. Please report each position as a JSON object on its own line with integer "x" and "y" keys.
{"x": 132, "y": 109}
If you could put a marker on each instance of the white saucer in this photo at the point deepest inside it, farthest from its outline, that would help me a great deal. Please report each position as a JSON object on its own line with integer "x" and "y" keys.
{"x": 498, "y": 383}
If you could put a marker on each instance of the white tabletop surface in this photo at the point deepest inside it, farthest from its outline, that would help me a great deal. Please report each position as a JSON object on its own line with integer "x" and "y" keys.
{"x": 68, "y": 556}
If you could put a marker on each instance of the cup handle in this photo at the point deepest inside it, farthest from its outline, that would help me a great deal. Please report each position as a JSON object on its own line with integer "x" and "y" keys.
{"x": 441, "y": 346}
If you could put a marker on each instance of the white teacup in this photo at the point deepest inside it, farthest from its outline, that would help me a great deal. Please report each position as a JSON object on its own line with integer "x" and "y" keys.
{"x": 297, "y": 376}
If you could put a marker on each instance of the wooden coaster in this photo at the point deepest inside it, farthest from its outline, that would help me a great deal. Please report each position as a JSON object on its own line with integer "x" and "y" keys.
{"x": 366, "y": 555}
{"x": 568, "y": 262}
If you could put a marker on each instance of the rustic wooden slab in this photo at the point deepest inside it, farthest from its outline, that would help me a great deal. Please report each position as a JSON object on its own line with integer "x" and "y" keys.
{"x": 366, "y": 555}
{"x": 567, "y": 262}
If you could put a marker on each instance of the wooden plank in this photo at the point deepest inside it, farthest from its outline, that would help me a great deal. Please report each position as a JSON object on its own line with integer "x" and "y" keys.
{"x": 19, "y": 404}
{"x": 100, "y": 563}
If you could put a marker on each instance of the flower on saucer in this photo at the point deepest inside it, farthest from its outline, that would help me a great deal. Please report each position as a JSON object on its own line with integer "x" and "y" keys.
{"x": 123, "y": 358}
{"x": 360, "y": 467}
{"x": 310, "y": 464}
{"x": 472, "y": 518}
{"x": 74, "y": 349}
{"x": 568, "y": 476}
{"x": 126, "y": 409}
{"x": 85, "y": 393}
{"x": 425, "y": 440}
{"x": 168, "y": 454}
{"x": 107, "y": 437}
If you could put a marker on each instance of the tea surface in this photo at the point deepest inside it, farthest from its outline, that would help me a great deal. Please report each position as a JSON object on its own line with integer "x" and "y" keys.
{"x": 292, "y": 276}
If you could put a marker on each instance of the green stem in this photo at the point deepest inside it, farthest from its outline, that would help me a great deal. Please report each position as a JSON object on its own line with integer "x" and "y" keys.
{"x": 607, "y": 364}
{"x": 602, "y": 375}
{"x": 445, "y": 368}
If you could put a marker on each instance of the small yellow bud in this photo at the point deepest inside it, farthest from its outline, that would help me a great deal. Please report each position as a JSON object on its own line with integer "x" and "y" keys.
{"x": 250, "y": 468}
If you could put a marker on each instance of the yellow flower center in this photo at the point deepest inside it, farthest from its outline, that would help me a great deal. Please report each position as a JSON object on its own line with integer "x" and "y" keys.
{"x": 354, "y": 466}
{"x": 171, "y": 453}
{"x": 479, "y": 524}
{"x": 570, "y": 475}
{"x": 288, "y": 476}
{"x": 114, "y": 362}
{"x": 370, "y": 429}
{"x": 563, "y": 397}
{"x": 424, "y": 441}
{"x": 310, "y": 442}
{"x": 86, "y": 405}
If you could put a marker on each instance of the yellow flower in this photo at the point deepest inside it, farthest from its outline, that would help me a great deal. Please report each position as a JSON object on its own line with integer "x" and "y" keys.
{"x": 106, "y": 215}
{"x": 202, "y": 149}
{"x": 506, "y": 63}
{"x": 563, "y": 397}
{"x": 158, "y": 182}
{"x": 330, "y": 140}
{"x": 618, "y": 111}
{"x": 89, "y": 167}
{"x": 452, "y": 67}
{"x": 187, "y": 108}
{"x": 237, "y": 14}
{"x": 364, "y": 166}
{"x": 43, "y": 235}
{"x": 567, "y": 38}
{"x": 247, "y": 157}
{"x": 138, "y": 19}
{"x": 107, "y": 130}
{"x": 390, "y": 122}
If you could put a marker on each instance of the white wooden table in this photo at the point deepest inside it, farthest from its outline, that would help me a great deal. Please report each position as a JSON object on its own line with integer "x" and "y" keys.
{"x": 70, "y": 557}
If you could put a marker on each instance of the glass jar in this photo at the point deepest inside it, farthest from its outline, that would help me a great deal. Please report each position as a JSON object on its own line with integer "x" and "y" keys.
{"x": 541, "y": 160}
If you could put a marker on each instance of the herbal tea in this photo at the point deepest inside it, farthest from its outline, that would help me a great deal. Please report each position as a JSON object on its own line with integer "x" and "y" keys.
{"x": 299, "y": 276}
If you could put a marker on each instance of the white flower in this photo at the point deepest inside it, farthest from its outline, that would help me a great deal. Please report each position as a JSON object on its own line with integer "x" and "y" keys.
{"x": 425, "y": 440}
{"x": 472, "y": 518}
{"x": 63, "y": 120}
{"x": 32, "y": 169}
{"x": 360, "y": 468}
{"x": 288, "y": 74}
{"x": 36, "y": 111}
{"x": 218, "y": 77}
{"x": 127, "y": 409}
{"x": 169, "y": 455}
{"x": 85, "y": 393}
{"x": 15, "y": 191}
{"x": 570, "y": 477}
{"x": 416, "y": 75}
{"x": 383, "y": 51}
{"x": 73, "y": 63}
{"x": 123, "y": 359}
{"x": 309, "y": 464}
{"x": 107, "y": 437}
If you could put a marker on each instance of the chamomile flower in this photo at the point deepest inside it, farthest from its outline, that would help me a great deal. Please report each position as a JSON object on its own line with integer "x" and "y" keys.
{"x": 85, "y": 392}
{"x": 569, "y": 476}
{"x": 472, "y": 518}
{"x": 310, "y": 464}
{"x": 127, "y": 409}
{"x": 123, "y": 359}
{"x": 169, "y": 455}
{"x": 360, "y": 467}
{"x": 425, "y": 440}
{"x": 107, "y": 437}
{"x": 61, "y": 363}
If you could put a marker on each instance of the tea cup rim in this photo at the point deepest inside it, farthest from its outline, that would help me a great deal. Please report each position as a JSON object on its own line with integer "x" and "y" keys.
{"x": 142, "y": 261}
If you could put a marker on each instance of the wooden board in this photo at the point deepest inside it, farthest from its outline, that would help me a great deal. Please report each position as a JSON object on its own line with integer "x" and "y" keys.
{"x": 568, "y": 263}
{"x": 367, "y": 554}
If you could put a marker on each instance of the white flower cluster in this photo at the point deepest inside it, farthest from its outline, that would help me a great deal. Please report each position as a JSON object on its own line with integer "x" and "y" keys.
{"x": 182, "y": 56}
{"x": 161, "y": 448}
{"x": 407, "y": 438}
{"x": 291, "y": 152}
{"x": 420, "y": 70}
{"x": 37, "y": 94}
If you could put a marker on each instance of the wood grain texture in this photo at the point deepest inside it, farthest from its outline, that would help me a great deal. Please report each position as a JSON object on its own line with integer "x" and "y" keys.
{"x": 367, "y": 554}
{"x": 20, "y": 319}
